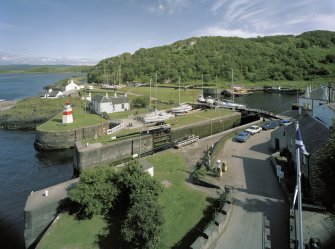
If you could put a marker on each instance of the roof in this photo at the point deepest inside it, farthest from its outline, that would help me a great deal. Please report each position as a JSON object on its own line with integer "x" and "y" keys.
{"x": 318, "y": 93}
{"x": 54, "y": 93}
{"x": 101, "y": 99}
{"x": 114, "y": 100}
{"x": 332, "y": 106}
{"x": 119, "y": 100}
{"x": 314, "y": 134}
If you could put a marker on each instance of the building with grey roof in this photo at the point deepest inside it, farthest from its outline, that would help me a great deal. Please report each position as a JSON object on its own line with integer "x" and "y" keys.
{"x": 101, "y": 103}
{"x": 315, "y": 135}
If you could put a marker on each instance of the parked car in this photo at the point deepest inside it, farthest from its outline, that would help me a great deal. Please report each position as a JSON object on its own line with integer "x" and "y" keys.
{"x": 242, "y": 136}
{"x": 269, "y": 125}
{"x": 284, "y": 122}
{"x": 254, "y": 129}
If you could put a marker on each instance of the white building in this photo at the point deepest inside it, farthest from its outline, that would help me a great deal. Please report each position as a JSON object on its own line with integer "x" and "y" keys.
{"x": 107, "y": 104}
{"x": 319, "y": 103}
{"x": 71, "y": 86}
{"x": 52, "y": 94}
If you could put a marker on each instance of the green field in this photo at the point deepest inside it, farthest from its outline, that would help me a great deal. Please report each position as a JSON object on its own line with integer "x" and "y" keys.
{"x": 68, "y": 232}
{"x": 182, "y": 209}
{"x": 182, "y": 205}
{"x": 81, "y": 118}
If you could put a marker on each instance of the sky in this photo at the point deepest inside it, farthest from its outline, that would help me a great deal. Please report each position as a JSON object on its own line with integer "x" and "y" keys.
{"x": 82, "y": 32}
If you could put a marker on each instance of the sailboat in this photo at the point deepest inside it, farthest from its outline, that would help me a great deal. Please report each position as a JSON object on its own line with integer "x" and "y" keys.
{"x": 156, "y": 115}
{"x": 182, "y": 108}
{"x": 201, "y": 98}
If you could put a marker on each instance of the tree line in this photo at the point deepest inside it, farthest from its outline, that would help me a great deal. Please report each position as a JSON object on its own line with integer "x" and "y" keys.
{"x": 285, "y": 57}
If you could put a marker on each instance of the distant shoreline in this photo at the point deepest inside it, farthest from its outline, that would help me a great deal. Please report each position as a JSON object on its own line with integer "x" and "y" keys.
{"x": 7, "y": 104}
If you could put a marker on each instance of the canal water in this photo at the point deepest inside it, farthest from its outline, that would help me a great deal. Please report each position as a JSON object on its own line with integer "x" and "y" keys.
{"x": 23, "y": 169}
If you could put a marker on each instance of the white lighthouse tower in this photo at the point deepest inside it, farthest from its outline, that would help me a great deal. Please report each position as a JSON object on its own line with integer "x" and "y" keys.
{"x": 67, "y": 114}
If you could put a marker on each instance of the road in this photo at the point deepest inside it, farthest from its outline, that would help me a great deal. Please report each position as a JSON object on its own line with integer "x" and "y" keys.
{"x": 256, "y": 193}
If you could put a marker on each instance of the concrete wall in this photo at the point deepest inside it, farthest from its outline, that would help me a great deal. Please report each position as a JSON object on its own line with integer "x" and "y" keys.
{"x": 41, "y": 210}
{"x": 208, "y": 128}
{"x": 95, "y": 154}
{"x": 48, "y": 140}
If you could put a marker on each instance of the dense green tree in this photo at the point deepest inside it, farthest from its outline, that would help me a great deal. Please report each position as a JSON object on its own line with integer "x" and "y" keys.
{"x": 254, "y": 59}
{"x": 96, "y": 191}
{"x": 141, "y": 101}
{"x": 143, "y": 225}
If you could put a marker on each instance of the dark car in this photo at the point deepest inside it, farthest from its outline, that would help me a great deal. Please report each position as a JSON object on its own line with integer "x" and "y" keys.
{"x": 242, "y": 136}
{"x": 269, "y": 125}
{"x": 284, "y": 122}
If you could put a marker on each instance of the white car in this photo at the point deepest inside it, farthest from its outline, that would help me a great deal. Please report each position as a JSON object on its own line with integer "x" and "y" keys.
{"x": 254, "y": 129}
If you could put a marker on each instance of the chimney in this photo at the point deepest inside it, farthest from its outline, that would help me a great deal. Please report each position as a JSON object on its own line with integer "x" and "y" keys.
{"x": 125, "y": 95}
{"x": 308, "y": 92}
{"x": 325, "y": 93}
{"x": 115, "y": 95}
{"x": 106, "y": 95}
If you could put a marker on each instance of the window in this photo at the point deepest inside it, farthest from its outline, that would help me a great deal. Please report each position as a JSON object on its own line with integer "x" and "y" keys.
{"x": 122, "y": 106}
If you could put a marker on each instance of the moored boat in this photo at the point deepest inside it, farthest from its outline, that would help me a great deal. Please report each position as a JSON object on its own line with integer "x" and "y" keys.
{"x": 157, "y": 116}
{"x": 229, "y": 104}
{"x": 181, "y": 109}
{"x": 201, "y": 99}
{"x": 279, "y": 89}
{"x": 210, "y": 100}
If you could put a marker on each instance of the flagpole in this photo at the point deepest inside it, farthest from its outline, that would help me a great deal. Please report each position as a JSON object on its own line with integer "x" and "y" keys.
{"x": 300, "y": 232}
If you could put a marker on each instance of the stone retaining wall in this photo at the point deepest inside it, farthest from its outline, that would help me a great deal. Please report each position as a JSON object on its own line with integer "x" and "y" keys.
{"x": 41, "y": 209}
{"x": 50, "y": 140}
{"x": 213, "y": 229}
{"x": 91, "y": 155}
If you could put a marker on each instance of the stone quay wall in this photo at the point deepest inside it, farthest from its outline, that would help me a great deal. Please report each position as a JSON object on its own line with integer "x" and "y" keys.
{"x": 41, "y": 209}
{"x": 90, "y": 155}
{"x": 55, "y": 140}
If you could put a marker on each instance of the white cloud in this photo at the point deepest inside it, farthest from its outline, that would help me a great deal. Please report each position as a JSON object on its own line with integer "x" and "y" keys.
{"x": 246, "y": 18}
{"x": 6, "y": 58}
{"x": 169, "y": 6}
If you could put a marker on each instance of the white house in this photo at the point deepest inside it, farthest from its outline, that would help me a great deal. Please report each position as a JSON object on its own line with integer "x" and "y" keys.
{"x": 107, "y": 104}
{"x": 319, "y": 103}
{"x": 71, "y": 86}
{"x": 52, "y": 94}
{"x": 325, "y": 113}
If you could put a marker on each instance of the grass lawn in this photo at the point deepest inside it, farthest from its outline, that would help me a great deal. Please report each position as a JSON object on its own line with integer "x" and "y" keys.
{"x": 69, "y": 233}
{"x": 182, "y": 209}
{"x": 197, "y": 117}
{"x": 80, "y": 117}
{"x": 166, "y": 94}
{"x": 183, "y": 205}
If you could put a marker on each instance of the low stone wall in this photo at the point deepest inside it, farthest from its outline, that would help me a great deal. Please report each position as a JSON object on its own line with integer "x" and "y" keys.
{"x": 91, "y": 155}
{"x": 41, "y": 209}
{"x": 213, "y": 229}
{"x": 49, "y": 140}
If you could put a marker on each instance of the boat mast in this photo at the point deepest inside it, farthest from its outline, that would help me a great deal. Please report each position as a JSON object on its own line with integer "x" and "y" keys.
{"x": 156, "y": 86}
{"x": 150, "y": 95}
{"x": 179, "y": 92}
{"x": 232, "y": 83}
{"x": 202, "y": 84}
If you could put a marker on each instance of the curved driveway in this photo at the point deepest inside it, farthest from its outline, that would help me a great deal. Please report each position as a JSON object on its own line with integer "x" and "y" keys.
{"x": 256, "y": 193}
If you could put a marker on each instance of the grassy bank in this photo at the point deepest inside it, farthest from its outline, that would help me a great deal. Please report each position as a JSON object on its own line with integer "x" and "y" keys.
{"x": 81, "y": 118}
{"x": 31, "y": 111}
{"x": 182, "y": 209}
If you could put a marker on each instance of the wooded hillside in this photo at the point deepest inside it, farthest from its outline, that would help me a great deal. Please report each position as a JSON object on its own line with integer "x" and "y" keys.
{"x": 286, "y": 57}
